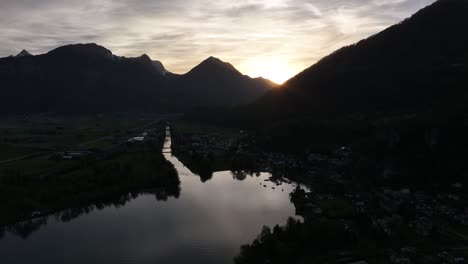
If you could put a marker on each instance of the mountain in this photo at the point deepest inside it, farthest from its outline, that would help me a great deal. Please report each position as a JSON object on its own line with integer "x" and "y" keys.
{"x": 85, "y": 78}
{"x": 215, "y": 66}
{"x": 416, "y": 65}
{"x": 78, "y": 78}
{"x": 23, "y": 53}
{"x": 217, "y": 83}
{"x": 160, "y": 68}
{"x": 398, "y": 99}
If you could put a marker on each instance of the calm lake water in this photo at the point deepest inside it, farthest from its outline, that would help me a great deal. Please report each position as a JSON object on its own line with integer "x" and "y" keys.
{"x": 207, "y": 224}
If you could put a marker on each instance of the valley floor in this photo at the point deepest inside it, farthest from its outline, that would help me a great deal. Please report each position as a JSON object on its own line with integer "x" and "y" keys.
{"x": 52, "y": 163}
{"x": 351, "y": 210}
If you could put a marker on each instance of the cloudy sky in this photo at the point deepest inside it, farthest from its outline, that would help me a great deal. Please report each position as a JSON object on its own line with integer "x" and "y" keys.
{"x": 271, "y": 38}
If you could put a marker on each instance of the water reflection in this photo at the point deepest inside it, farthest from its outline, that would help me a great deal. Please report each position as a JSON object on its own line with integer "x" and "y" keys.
{"x": 25, "y": 229}
{"x": 206, "y": 224}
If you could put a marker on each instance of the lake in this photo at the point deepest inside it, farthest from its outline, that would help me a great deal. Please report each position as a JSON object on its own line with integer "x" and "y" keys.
{"x": 207, "y": 223}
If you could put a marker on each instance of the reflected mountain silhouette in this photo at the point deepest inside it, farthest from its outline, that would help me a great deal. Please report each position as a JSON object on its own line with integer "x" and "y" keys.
{"x": 26, "y": 228}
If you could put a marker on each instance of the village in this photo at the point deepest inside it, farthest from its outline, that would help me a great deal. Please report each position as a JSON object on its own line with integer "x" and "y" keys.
{"x": 327, "y": 191}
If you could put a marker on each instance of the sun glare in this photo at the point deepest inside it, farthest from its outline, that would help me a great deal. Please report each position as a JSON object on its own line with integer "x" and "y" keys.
{"x": 277, "y": 70}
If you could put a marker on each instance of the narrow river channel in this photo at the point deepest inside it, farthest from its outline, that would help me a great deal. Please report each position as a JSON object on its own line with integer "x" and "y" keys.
{"x": 207, "y": 223}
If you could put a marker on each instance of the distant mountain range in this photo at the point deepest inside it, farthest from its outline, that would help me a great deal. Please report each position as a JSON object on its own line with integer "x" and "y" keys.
{"x": 89, "y": 78}
{"x": 419, "y": 64}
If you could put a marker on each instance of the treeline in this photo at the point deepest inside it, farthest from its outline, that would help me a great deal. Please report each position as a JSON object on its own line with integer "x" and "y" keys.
{"x": 297, "y": 243}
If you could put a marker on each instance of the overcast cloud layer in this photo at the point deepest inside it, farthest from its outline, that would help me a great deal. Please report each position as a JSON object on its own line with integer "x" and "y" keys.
{"x": 260, "y": 37}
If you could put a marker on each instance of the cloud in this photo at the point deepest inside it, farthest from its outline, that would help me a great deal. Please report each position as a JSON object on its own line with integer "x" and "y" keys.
{"x": 181, "y": 33}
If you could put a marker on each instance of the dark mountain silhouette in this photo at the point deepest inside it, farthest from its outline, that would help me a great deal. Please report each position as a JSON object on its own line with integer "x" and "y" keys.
{"x": 217, "y": 83}
{"x": 23, "y": 53}
{"x": 160, "y": 68}
{"x": 398, "y": 99}
{"x": 89, "y": 78}
{"x": 418, "y": 64}
{"x": 78, "y": 78}
{"x": 214, "y": 65}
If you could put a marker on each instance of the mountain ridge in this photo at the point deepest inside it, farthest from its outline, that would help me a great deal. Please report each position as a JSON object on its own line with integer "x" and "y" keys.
{"x": 23, "y": 53}
{"x": 419, "y": 63}
{"x": 213, "y": 63}
{"x": 90, "y": 78}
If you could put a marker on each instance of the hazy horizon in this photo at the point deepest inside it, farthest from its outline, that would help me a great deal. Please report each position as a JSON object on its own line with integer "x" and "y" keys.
{"x": 272, "y": 39}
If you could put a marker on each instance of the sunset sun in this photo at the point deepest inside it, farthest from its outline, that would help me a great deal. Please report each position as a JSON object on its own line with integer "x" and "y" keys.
{"x": 276, "y": 69}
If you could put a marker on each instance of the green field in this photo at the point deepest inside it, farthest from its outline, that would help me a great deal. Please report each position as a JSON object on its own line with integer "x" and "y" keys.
{"x": 46, "y": 183}
{"x": 21, "y": 136}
